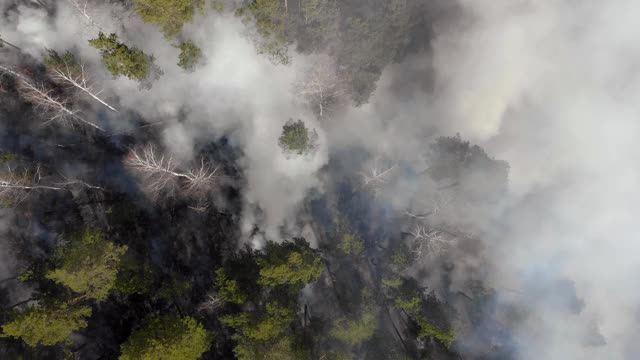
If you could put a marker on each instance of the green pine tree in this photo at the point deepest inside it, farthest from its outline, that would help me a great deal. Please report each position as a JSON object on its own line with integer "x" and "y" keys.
{"x": 47, "y": 325}
{"x": 89, "y": 265}
{"x": 121, "y": 60}
{"x": 168, "y": 337}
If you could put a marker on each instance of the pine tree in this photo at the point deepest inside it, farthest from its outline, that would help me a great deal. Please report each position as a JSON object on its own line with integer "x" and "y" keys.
{"x": 120, "y": 59}
{"x": 168, "y": 337}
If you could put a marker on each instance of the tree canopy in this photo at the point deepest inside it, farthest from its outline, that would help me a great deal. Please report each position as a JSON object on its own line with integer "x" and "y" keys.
{"x": 47, "y": 325}
{"x": 168, "y": 337}
{"x": 169, "y": 15}
{"x": 122, "y": 60}
{"x": 296, "y": 138}
{"x": 228, "y": 288}
{"x": 270, "y": 17}
{"x": 289, "y": 263}
{"x": 190, "y": 55}
{"x": 89, "y": 265}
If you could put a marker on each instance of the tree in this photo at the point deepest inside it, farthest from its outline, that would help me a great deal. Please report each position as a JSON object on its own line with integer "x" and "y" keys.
{"x": 297, "y": 139}
{"x": 270, "y": 17}
{"x": 468, "y": 168}
{"x": 228, "y": 288}
{"x": 168, "y": 337}
{"x": 351, "y": 244}
{"x": 321, "y": 87}
{"x": 55, "y": 107}
{"x": 81, "y": 8}
{"x": 120, "y": 59}
{"x": 169, "y": 15}
{"x": 4, "y": 42}
{"x": 47, "y": 325}
{"x": 160, "y": 173}
{"x": 431, "y": 241}
{"x": 289, "y": 263}
{"x": 68, "y": 70}
{"x": 355, "y": 332}
{"x": 16, "y": 185}
{"x": 261, "y": 335}
{"x": 89, "y": 265}
{"x": 190, "y": 55}
{"x": 321, "y": 20}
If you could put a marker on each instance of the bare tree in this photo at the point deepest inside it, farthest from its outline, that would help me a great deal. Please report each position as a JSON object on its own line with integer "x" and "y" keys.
{"x": 376, "y": 175}
{"x": 162, "y": 173}
{"x": 212, "y": 303}
{"x": 440, "y": 203}
{"x": 321, "y": 87}
{"x": 81, "y": 8}
{"x": 4, "y": 42}
{"x": 75, "y": 182}
{"x": 57, "y": 108}
{"x": 15, "y": 186}
{"x": 431, "y": 241}
{"x": 75, "y": 76}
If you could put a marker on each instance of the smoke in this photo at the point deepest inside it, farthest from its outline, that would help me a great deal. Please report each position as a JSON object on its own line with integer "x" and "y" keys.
{"x": 549, "y": 86}
{"x": 236, "y": 93}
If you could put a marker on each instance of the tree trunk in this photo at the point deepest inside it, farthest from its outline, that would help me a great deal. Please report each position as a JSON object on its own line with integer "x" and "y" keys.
{"x": 10, "y": 44}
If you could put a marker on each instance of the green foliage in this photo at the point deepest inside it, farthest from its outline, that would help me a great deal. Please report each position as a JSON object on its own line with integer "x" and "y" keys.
{"x": 411, "y": 304}
{"x": 119, "y": 59}
{"x": 427, "y": 329}
{"x": 89, "y": 265}
{"x": 67, "y": 62}
{"x": 218, "y": 6}
{"x": 355, "y": 332}
{"x": 273, "y": 323}
{"x": 262, "y": 336}
{"x": 169, "y": 15}
{"x": 134, "y": 277}
{"x": 351, "y": 244}
{"x": 228, "y": 288}
{"x": 175, "y": 289}
{"x": 321, "y": 22}
{"x": 270, "y": 17}
{"x": 478, "y": 176}
{"x": 297, "y": 139}
{"x": 7, "y": 156}
{"x": 400, "y": 258}
{"x": 393, "y": 282}
{"x": 167, "y": 337}
{"x": 278, "y": 349}
{"x": 190, "y": 55}
{"x": 47, "y": 325}
{"x": 289, "y": 263}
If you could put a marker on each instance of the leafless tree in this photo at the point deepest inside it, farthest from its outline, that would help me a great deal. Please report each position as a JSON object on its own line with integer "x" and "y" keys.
{"x": 75, "y": 76}
{"x": 57, "y": 108}
{"x": 81, "y": 8}
{"x": 4, "y": 42}
{"x": 15, "y": 186}
{"x": 376, "y": 175}
{"x": 75, "y": 182}
{"x": 440, "y": 202}
{"x": 320, "y": 86}
{"x": 431, "y": 241}
{"x": 162, "y": 173}
{"x": 212, "y": 303}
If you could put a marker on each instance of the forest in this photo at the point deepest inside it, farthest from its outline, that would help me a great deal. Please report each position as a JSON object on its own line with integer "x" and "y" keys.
{"x": 288, "y": 179}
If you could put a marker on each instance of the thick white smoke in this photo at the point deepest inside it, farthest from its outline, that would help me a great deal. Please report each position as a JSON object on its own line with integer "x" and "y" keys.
{"x": 551, "y": 87}
{"x": 237, "y": 93}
